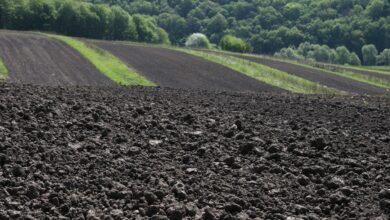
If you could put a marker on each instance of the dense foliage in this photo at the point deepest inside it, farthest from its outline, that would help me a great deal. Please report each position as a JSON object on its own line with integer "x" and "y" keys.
{"x": 234, "y": 44}
{"x": 81, "y": 19}
{"x": 340, "y": 55}
{"x": 269, "y": 25}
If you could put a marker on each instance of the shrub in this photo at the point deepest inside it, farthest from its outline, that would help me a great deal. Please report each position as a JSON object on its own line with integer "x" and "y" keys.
{"x": 343, "y": 55}
{"x": 234, "y": 44}
{"x": 384, "y": 57}
{"x": 198, "y": 40}
{"x": 354, "y": 59}
{"x": 289, "y": 53}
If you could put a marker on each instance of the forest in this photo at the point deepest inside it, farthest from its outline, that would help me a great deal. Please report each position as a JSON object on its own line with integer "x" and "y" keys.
{"x": 267, "y": 26}
{"x": 80, "y": 19}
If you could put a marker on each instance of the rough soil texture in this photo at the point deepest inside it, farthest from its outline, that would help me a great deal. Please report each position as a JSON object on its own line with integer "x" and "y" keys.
{"x": 170, "y": 68}
{"x": 32, "y": 58}
{"x": 322, "y": 77}
{"x": 140, "y": 153}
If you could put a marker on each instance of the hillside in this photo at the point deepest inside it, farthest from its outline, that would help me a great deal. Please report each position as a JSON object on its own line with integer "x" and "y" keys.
{"x": 267, "y": 25}
{"x": 272, "y": 25}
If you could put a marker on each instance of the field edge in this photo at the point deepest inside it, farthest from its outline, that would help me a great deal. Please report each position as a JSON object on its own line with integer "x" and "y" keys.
{"x": 266, "y": 74}
{"x": 105, "y": 62}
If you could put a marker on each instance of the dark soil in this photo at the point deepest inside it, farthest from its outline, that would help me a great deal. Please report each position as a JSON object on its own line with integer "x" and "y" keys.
{"x": 139, "y": 153}
{"x": 32, "y": 58}
{"x": 170, "y": 68}
{"x": 322, "y": 77}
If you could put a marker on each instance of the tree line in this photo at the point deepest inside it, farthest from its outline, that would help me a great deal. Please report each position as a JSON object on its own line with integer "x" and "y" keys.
{"x": 270, "y": 25}
{"x": 80, "y": 19}
{"x": 340, "y": 55}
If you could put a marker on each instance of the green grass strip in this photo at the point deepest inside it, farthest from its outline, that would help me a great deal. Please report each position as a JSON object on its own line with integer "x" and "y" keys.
{"x": 266, "y": 74}
{"x": 106, "y": 63}
{"x": 3, "y": 70}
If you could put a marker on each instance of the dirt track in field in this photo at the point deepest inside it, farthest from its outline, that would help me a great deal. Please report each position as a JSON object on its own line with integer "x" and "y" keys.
{"x": 36, "y": 59}
{"x": 169, "y": 68}
{"x": 319, "y": 76}
{"x": 157, "y": 153}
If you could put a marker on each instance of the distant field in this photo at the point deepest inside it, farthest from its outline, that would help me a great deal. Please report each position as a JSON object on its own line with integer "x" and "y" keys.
{"x": 59, "y": 60}
{"x": 266, "y": 74}
{"x": 339, "y": 80}
{"x": 171, "y": 68}
{"x": 106, "y": 63}
{"x": 37, "y": 59}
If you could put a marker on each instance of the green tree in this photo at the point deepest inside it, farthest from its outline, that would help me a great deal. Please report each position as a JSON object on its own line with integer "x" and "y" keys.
{"x": 234, "y": 44}
{"x": 174, "y": 25}
{"x": 384, "y": 57}
{"x": 122, "y": 26}
{"x": 217, "y": 24}
{"x": 354, "y": 59}
{"x": 41, "y": 15}
{"x": 343, "y": 55}
{"x": 370, "y": 54}
{"x": 376, "y": 8}
{"x": 198, "y": 40}
{"x": 292, "y": 10}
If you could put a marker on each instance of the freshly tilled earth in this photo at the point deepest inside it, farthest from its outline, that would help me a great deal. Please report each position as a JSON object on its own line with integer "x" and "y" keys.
{"x": 140, "y": 153}
{"x": 37, "y": 59}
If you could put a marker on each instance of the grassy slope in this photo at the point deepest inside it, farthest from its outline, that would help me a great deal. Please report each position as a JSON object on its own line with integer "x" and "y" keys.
{"x": 106, "y": 63}
{"x": 371, "y": 80}
{"x": 3, "y": 70}
{"x": 266, "y": 74}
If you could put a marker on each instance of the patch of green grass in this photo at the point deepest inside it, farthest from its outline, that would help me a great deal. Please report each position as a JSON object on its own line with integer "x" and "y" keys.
{"x": 3, "y": 70}
{"x": 266, "y": 74}
{"x": 106, "y": 63}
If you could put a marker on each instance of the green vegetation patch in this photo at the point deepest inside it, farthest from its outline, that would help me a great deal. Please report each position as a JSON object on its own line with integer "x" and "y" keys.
{"x": 266, "y": 74}
{"x": 3, "y": 70}
{"x": 106, "y": 63}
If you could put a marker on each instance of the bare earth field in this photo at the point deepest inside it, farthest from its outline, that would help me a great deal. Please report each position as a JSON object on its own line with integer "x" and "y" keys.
{"x": 140, "y": 153}
{"x": 319, "y": 76}
{"x": 32, "y": 58}
{"x": 169, "y": 68}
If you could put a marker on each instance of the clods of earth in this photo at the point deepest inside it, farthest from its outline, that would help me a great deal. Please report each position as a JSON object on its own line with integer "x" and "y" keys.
{"x": 154, "y": 153}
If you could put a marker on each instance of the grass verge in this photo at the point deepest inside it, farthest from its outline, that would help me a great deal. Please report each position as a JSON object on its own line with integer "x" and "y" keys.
{"x": 106, "y": 63}
{"x": 266, "y": 74}
{"x": 3, "y": 70}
